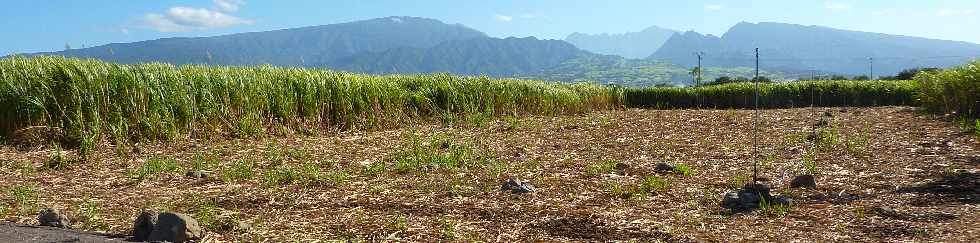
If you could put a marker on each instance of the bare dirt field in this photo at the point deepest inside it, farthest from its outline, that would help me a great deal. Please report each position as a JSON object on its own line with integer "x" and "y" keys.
{"x": 883, "y": 174}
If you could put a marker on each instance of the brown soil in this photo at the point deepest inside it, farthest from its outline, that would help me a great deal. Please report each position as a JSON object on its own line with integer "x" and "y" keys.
{"x": 883, "y": 174}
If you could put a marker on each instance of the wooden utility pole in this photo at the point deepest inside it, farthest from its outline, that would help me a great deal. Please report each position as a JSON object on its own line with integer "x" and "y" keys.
{"x": 755, "y": 124}
{"x": 871, "y": 64}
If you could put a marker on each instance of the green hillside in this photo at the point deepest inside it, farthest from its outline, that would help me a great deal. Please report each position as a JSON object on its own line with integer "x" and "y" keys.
{"x": 605, "y": 69}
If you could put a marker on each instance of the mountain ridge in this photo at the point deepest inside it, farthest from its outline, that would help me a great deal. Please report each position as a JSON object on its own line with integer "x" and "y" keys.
{"x": 815, "y": 47}
{"x": 284, "y": 47}
{"x": 634, "y": 45}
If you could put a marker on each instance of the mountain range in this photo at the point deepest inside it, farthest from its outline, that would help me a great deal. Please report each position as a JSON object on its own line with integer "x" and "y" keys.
{"x": 798, "y": 47}
{"x": 634, "y": 45}
{"x": 286, "y": 47}
{"x": 478, "y": 56}
{"x": 649, "y": 57}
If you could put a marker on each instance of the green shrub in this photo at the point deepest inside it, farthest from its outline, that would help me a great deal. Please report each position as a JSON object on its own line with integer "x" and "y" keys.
{"x": 953, "y": 90}
{"x": 776, "y": 95}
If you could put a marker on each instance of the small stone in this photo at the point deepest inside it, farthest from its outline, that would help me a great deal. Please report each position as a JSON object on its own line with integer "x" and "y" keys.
{"x": 517, "y": 186}
{"x": 804, "y": 181}
{"x": 199, "y": 174}
{"x": 828, "y": 114}
{"x": 175, "y": 227}
{"x": 144, "y": 224}
{"x": 663, "y": 168}
{"x": 784, "y": 200}
{"x": 54, "y": 218}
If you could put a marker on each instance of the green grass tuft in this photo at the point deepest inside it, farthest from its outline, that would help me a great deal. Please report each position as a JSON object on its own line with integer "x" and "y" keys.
{"x": 241, "y": 170}
{"x": 684, "y": 170}
{"x": 604, "y": 167}
{"x": 153, "y": 166}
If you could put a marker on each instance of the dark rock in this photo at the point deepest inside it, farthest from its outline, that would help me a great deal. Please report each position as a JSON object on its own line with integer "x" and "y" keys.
{"x": 749, "y": 197}
{"x": 804, "y": 181}
{"x": 516, "y": 186}
{"x": 828, "y": 114}
{"x": 752, "y": 194}
{"x": 54, "y": 218}
{"x": 175, "y": 227}
{"x": 144, "y": 224}
{"x": 663, "y": 168}
{"x": 784, "y": 200}
{"x": 730, "y": 201}
{"x": 199, "y": 174}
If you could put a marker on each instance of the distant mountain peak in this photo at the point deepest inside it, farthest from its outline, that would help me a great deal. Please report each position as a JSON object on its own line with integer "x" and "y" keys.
{"x": 630, "y": 44}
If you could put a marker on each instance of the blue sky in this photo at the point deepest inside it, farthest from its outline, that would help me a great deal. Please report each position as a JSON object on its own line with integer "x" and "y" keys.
{"x": 31, "y": 26}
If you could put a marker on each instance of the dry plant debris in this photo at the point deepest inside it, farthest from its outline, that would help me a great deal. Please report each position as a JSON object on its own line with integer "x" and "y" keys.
{"x": 883, "y": 174}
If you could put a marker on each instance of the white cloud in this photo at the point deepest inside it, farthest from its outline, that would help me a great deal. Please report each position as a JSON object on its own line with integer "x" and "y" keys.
{"x": 956, "y": 12}
{"x": 714, "y": 7}
{"x": 183, "y": 19}
{"x": 228, "y": 5}
{"x": 124, "y": 30}
{"x": 835, "y": 6}
{"x": 504, "y": 18}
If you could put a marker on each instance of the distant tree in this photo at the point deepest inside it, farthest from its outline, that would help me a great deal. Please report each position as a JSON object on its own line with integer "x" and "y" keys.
{"x": 908, "y": 74}
{"x": 696, "y": 73}
{"x": 722, "y": 80}
{"x": 861, "y": 78}
{"x": 729, "y": 80}
{"x": 762, "y": 79}
{"x": 838, "y": 77}
{"x": 67, "y": 47}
